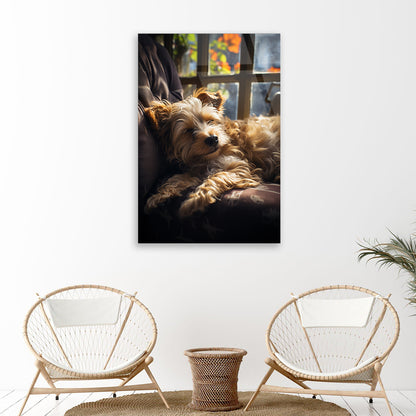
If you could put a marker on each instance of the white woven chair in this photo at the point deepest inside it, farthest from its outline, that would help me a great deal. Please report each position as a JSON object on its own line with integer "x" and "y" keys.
{"x": 341, "y": 334}
{"x": 90, "y": 332}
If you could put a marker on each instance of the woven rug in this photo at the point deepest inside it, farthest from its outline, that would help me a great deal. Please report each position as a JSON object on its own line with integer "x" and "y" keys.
{"x": 150, "y": 404}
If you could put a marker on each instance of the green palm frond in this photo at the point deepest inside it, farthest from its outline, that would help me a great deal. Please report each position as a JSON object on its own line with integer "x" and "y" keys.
{"x": 386, "y": 255}
{"x": 408, "y": 248}
{"x": 396, "y": 252}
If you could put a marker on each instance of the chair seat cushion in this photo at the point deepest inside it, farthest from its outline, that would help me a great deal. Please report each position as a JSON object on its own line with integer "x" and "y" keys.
{"x": 334, "y": 374}
{"x": 87, "y": 368}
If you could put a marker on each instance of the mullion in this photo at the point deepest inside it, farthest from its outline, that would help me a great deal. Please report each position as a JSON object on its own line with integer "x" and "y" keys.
{"x": 246, "y": 71}
{"x": 202, "y": 60}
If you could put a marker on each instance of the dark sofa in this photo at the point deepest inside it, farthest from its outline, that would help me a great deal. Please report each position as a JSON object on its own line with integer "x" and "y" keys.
{"x": 241, "y": 216}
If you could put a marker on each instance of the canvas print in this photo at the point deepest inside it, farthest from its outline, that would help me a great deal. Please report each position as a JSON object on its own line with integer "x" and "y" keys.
{"x": 209, "y": 138}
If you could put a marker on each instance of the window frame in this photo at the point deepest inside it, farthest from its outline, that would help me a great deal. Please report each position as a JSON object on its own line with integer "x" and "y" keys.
{"x": 244, "y": 78}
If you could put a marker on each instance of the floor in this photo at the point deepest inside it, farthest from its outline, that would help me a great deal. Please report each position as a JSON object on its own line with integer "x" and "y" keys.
{"x": 403, "y": 403}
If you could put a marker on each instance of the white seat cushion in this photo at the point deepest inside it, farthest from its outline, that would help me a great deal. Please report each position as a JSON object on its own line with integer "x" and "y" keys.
{"x": 318, "y": 374}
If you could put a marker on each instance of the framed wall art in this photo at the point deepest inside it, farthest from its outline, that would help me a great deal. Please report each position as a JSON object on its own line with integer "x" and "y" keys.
{"x": 209, "y": 138}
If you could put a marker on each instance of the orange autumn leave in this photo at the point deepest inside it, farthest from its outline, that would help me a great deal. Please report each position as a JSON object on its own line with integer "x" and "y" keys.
{"x": 224, "y": 65}
{"x": 273, "y": 69}
{"x": 214, "y": 55}
{"x": 232, "y": 40}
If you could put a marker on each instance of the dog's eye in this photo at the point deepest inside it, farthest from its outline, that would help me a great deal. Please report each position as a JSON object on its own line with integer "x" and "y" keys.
{"x": 210, "y": 122}
{"x": 190, "y": 131}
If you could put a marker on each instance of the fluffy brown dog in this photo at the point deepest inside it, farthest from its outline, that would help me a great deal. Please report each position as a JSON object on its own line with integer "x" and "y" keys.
{"x": 217, "y": 154}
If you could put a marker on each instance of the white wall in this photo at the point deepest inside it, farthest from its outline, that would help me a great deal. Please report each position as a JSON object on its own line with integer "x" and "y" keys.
{"x": 68, "y": 169}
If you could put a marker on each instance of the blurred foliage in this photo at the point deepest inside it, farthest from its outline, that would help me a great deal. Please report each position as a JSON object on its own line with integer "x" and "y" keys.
{"x": 224, "y": 54}
{"x": 184, "y": 50}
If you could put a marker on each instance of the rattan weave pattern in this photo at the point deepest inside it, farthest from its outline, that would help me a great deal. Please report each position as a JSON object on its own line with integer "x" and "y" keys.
{"x": 215, "y": 376}
{"x": 149, "y": 405}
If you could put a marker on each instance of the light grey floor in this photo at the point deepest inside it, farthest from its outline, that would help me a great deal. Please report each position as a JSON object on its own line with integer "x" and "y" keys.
{"x": 402, "y": 402}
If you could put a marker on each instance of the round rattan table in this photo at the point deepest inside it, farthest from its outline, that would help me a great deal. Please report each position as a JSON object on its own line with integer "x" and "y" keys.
{"x": 215, "y": 376}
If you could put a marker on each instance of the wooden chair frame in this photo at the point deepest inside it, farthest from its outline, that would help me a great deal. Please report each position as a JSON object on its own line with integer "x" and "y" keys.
{"x": 299, "y": 378}
{"x": 125, "y": 374}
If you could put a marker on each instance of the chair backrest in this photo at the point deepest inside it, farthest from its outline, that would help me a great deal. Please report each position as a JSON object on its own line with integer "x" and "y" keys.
{"x": 333, "y": 328}
{"x": 158, "y": 80}
{"x": 89, "y": 329}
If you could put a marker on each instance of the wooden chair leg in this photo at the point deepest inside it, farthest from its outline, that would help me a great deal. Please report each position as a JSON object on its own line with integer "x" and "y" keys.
{"x": 45, "y": 374}
{"x": 132, "y": 375}
{"x": 377, "y": 369}
{"x": 149, "y": 373}
{"x": 373, "y": 385}
{"x": 272, "y": 364}
{"x": 264, "y": 381}
{"x": 30, "y": 391}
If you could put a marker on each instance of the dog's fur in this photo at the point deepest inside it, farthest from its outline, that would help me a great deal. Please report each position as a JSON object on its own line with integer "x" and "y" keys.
{"x": 217, "y": 154}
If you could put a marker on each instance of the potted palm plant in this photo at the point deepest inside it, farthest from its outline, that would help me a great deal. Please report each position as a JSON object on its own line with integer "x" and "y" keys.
{"x": 397, "y": 252}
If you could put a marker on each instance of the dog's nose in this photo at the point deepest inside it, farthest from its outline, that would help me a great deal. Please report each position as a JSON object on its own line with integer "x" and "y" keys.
{"x": 211, "y": 141}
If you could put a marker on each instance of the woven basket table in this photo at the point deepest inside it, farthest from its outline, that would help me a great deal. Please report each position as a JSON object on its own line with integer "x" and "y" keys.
{"x": 215, "y": 376}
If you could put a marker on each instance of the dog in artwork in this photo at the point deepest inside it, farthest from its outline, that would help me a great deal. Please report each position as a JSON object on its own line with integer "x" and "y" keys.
{"x": 217, "y": 154}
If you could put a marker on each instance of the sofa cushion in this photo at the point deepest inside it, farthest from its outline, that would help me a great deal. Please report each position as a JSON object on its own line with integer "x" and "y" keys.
{"x": 158, "y": 80}
{"x": 241, "y": 216}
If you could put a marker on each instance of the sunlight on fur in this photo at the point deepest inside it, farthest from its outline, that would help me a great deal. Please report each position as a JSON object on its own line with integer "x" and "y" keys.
{"x": 217, "y": 154}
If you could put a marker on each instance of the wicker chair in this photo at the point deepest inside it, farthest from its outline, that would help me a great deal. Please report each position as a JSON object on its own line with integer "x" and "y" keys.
{"x": 90, "y": 332}
{"x": 340, "y": 334}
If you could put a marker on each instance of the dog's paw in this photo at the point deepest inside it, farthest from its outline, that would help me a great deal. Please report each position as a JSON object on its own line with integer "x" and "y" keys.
{"x": 190, "y": 206}
{"x": 153, "y": 202}
{"x": 197, "y": 201}
{"x": 187, "y": 208}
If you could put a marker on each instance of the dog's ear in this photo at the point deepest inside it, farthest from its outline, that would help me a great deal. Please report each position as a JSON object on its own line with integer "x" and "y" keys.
{"x": 158, "y": 113}
{"x": 216, "y": 99}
